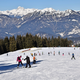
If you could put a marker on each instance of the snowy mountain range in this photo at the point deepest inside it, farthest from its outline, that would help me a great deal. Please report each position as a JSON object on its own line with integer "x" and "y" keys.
{"x": 46, "y": 22}
{"x": 20, "y": 12}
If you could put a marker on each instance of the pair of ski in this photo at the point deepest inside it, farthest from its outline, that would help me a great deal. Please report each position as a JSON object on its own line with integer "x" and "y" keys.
{"x": 23, "y": 67}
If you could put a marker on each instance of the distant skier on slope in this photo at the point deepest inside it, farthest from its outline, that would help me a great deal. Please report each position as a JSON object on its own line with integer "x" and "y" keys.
{"x": 32, "y": 54}
{"x": 72, "y": 56}
{"x": 27, "y": 62}
{"x": 7, "y": 54}
{"x": 62, "y": 54}
{"x": 49, "y": 53}
{"x": 68, "y": 53}
{"x": 54, "y": 53}
{"x": 19, "y": 61}
{"x": 59, "y": 52}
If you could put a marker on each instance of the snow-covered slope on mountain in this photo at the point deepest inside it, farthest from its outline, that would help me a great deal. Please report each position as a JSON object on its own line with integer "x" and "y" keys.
{"x": 20, "y": 11}
{"x": 47, "y": 22}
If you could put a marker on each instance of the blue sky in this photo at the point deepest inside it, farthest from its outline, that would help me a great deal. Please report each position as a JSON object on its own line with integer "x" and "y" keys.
{"x": 40, "y": 4}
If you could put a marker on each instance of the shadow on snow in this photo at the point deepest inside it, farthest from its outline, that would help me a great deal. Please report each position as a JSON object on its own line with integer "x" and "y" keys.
{"x": 9, "y": 68}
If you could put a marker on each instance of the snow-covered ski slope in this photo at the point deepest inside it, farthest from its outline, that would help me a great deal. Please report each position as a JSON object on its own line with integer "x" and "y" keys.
{"x": 47, "y": 67}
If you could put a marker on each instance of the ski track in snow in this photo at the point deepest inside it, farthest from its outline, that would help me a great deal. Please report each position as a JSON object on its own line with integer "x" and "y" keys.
{"x": 47, "y": 67}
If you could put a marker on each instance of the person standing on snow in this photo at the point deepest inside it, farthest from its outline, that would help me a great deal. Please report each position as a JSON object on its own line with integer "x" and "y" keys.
{"x": 27, "y": 61}
{"x": 72, "y": 56}
{"x": 7, "y": 54}
{"x": 59, "y": 52}
{"x": 32, "y": 54}
{"x": 19, "y": 61}
{"x": 54, "y": 53}
{"x": 68, "y": 53}
{"x": 62, "y": 54}
{"x": 34, "y": 60}
{"x": 49, "y": 53}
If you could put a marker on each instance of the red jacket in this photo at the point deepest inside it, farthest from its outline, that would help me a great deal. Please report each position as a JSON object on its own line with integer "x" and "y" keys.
{"x": 19, "y": 59}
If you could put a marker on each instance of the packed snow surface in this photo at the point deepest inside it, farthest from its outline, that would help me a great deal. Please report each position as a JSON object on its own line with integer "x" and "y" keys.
{"x": 47, "y": 67}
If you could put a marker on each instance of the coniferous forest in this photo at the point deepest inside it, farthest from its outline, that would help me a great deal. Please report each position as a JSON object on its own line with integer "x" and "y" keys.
{"x": 28, "y": 41}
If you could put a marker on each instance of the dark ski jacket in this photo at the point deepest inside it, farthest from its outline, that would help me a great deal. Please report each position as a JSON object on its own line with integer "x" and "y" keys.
{"x": 27, "y": 59}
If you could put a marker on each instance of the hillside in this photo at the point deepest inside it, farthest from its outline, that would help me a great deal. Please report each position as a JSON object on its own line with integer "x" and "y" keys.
{"x": 46, "y": 22}
{"x": 47, "y": 67}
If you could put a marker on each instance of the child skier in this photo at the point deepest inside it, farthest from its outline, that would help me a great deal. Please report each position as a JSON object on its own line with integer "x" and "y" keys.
{"x": 49, "y": 53}
{"x": 34, "y": 60}
{"x": 62, "y": 54}
{"x": 27, "y": 61}
{"x": 32, "y": 54}
{"x": 19, "y": 61}
{"x": 68, "y": 53}
{"x": 54, "y": 53}
{"x": 59, "y": 52}
{"x": 72, "y": 56}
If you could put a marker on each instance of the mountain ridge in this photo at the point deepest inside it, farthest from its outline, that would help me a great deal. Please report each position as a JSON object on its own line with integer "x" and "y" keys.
{"x": 45, "y": 23}
{"x": 20, "y": 11}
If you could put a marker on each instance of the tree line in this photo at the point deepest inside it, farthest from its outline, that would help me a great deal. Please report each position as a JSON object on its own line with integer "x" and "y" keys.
{"x": 28, "y": 41}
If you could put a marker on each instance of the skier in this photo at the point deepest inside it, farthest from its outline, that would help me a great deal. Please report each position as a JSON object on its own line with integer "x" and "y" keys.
{"x": 72, "y": 56}
{"x": 68, "y": 53}
{"x": 59, "y": 52}
{"x": 35, "y": 54}
{"x": 32, "y": 54}
{"x": 34, "y": 60}
{"x": 62, "y": 54}
{"x": 19, "y": 61}
{"x": 7, "y": 54}
{"x": 27, "y": 61}
{"x": 49, "y": 53}
{"x": 54, "y": 53}
{"x": 39, "y": 54}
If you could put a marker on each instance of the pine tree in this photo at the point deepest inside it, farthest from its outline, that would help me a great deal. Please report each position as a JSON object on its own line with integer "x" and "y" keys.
{"x": 23, "y": 42}
{"x": 59, "y": 41}
{"x": 44, "y": 42}
{"x": 52, "y": 42}
{"x": 6, "y": 43}
{"x": 12, "y": 44}
{"x": 38, "y": 41}
{"x": 56, "y": 42}
{"x": 19, "y": 42}
{"x": 29, "y": 41}
{"x": 2, "y": 47}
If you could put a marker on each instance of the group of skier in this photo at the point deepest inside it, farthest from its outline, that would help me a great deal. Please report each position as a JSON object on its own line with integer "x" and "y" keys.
{"x": 27, "y": 61}
{"x": 73, "y": 57}
{"x": 34, "y": 59}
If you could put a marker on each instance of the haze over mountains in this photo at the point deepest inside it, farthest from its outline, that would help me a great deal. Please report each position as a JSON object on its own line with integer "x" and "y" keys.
{"x": 46, "y": 22}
